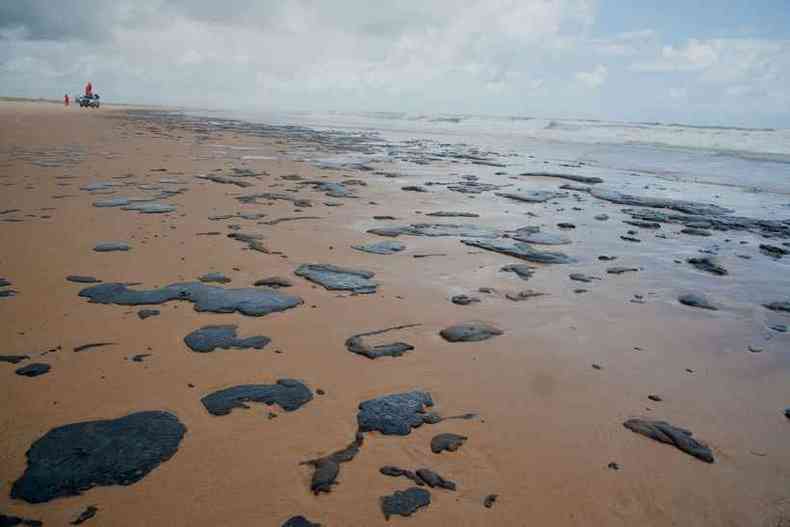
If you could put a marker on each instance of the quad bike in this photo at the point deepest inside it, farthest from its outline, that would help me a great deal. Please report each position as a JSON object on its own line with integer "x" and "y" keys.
{"x": 89, "y": 101}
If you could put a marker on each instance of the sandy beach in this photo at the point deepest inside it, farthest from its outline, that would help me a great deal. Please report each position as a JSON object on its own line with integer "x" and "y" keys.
{"x": 551, "y": 393}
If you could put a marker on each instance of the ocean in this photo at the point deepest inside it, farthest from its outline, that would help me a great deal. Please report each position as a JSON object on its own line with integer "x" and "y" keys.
{"x": 747, "y": 169}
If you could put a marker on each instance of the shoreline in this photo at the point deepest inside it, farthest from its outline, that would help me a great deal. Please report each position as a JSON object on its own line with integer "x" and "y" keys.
{"x": 549, "y": 422}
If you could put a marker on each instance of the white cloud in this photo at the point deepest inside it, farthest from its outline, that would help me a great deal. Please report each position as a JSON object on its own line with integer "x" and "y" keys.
{"x": 625, "y": 44}
{"x": 594, "y": 78}
{"x": 678, "y": 93}
{"x": 743, "y": 77}
{"x": 724, "y": 60}
{"x": 750, "y": 61}
{"x": 695, "y": 55}
{"x": 301, "y": 53}
{"x": 191, "y": 57}
{"x": 464, "y": 56}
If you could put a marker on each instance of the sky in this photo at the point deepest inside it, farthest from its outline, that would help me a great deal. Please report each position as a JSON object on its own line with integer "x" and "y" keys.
{"x": 692, "y": 61}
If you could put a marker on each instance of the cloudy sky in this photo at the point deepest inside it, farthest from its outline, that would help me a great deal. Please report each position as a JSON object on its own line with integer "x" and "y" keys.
{"x": 693, "y": 61}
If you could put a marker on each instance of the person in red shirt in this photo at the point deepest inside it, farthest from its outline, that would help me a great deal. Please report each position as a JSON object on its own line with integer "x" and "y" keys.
{"x": 89, "y": 90}
{"x": 66, "y": 100}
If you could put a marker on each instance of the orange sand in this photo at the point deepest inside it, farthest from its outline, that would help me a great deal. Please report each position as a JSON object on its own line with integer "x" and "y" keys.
{"x": 549, "y": 423}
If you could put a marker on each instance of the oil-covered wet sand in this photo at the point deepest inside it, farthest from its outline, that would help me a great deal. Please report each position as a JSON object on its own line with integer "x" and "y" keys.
{"x": 549, "y": 422}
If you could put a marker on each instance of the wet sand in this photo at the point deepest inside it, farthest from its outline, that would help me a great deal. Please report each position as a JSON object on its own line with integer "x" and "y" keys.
{"x": 549, "y": 423}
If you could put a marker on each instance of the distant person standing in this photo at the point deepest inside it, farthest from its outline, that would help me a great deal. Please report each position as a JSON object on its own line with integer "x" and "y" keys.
{"x": 89, "y": 90}
{"x": 66, "y": 100}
